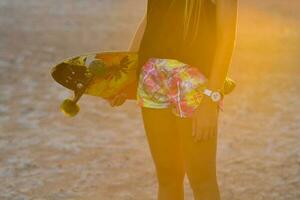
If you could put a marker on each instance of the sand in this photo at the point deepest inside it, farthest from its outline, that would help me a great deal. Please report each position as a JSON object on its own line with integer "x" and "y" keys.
{"x": 103, "y": 153}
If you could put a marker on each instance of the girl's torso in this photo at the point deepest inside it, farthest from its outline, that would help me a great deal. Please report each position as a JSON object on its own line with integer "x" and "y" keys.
{"x": 163, "y": 36}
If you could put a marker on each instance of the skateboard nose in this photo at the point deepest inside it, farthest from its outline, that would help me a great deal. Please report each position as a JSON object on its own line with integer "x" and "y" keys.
{"x": 69, "y": 75}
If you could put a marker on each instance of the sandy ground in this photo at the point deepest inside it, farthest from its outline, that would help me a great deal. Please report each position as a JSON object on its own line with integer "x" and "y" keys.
{"x": 103, "y": 152}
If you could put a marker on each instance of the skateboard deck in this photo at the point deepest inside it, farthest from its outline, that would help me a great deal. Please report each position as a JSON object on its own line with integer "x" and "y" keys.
{"x": 98, "y": 74}
{"x": 103, "y": 74}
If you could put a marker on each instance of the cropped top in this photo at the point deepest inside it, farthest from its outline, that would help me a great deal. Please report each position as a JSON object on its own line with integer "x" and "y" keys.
{"x": 163, "y": 36}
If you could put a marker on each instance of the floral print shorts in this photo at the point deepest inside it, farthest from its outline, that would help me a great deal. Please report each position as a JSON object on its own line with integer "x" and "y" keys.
{"x": 167, "y": 83}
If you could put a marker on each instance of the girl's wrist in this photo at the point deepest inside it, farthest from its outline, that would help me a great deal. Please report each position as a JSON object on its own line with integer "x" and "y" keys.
{"x": 207, "y": 100}
{"x": 210, "y": 105}
{"x": 206, "y": 106}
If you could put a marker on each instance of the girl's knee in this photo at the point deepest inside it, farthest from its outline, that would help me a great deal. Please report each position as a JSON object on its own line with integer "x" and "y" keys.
{"x": 206, "y": 190}
{"x": 202, "y": 177}
{"x": 203, "y": 184}
{"x": 170, "y": 177}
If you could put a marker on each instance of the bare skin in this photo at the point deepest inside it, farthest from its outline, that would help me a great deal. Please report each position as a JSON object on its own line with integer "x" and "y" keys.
{"x": 175, "y": 154}
{"x": 188, "y": 146}
{"x": 204, "y": 120}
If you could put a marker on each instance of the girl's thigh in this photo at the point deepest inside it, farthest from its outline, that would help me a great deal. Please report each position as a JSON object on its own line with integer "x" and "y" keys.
{"x": 200, "y": 157}
{"x": 164, "y": 142}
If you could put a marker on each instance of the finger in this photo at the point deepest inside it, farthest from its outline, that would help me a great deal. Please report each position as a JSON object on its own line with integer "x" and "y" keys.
{"x": 196, "y": 131}
{"x": 193, "y": 128}
{"x": 120, "y": 101}
{"x": 114, "y": 100}
{"x": 215, "y": 130}
{"x": 121, "y": 98}
{"x": 199, "y": 134}
{"x": 110, "y": 102}
{"x": 210, "y": 133}
{"x": 205, "y": 134}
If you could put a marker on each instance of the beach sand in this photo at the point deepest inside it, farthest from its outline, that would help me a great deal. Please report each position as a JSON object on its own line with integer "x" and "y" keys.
{"x": 103, "y": 152}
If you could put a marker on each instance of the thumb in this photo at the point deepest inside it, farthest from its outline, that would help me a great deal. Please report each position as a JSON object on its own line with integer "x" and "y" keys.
{"x": 112, "y": 100}
{"x": 120, "y": 99}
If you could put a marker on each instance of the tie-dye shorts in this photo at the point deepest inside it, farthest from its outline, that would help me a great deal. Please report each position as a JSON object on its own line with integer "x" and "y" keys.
{"x": 167, "y": 83}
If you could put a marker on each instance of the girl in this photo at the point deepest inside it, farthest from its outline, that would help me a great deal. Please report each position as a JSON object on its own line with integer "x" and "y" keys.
{"x": 200, "y": 33}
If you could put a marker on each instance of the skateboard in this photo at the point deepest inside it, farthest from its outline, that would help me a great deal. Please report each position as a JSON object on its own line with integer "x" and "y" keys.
{"x": 103, "y": 74}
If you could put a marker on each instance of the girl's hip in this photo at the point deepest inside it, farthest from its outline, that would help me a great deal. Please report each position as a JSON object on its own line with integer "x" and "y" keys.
{"x": 169, "y": 82}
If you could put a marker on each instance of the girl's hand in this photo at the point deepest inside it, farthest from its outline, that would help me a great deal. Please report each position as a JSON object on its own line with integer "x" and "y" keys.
{"x": 117, "y": 100}
{"x": 205, "y": 120}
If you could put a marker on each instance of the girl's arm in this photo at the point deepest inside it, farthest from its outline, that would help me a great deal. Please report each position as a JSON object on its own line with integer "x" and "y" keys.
{"x": 226, "y": 34}
{"x": 206, "y": 115}
{"x": 136, "y": 41}
{"x": 134, "y": 47}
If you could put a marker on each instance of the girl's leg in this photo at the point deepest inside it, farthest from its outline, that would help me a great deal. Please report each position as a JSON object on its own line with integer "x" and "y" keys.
{"x": 166, "y": 152}
{"x": 200, "y": 161}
